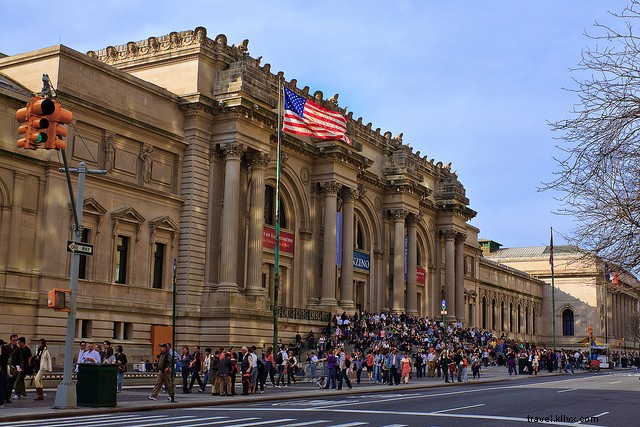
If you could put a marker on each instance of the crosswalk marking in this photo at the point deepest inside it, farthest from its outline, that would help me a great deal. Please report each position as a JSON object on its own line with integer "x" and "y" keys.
{"x": 178, "y": 420}
{"x": 396, "y": 425}
{"x": 306, "y": 423}
{"x": 349, "y": 424}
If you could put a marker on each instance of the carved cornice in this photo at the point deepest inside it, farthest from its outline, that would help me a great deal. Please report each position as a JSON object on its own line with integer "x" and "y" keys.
{"x": 171, "y": 42}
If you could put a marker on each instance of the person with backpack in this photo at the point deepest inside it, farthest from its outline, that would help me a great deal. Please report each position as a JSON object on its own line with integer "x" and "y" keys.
{"x": 344, "y": 363}
{"x": 281, "y": 366}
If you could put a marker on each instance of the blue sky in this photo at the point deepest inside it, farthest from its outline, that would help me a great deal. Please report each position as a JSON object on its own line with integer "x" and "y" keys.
{"x": 473, "y": 83}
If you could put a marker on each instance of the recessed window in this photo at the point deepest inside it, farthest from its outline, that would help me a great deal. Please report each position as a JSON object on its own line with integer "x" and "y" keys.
{"x": 86, "y": 328}
{"x": 567, "y": 322}
{"x": 158, "y": 264}
{"x": 270, "y": 208}
{"x": 122, "y": 253}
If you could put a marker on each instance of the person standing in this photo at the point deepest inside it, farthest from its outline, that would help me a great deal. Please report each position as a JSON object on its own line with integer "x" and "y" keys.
{"x": 4, "y": 362}
{"x": 91, "y": 355}
{"x": 185, "y": 364}
{"x": 44, "y": 365}
{"x": 405, "y": 364}
{"x": 164, "y": 373}
{"x": 343, "y": 366}
{"x": 224, "y": 374}
{"x": 206, "y": 366}
{"x": 25, "y": 369}
{"x": 195, "y": 367}
{"x": 121, "y": 360}
{"x": 331, "y": 371}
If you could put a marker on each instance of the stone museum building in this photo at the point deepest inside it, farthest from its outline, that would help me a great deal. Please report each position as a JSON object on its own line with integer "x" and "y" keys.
{"x": 186, "y": 127}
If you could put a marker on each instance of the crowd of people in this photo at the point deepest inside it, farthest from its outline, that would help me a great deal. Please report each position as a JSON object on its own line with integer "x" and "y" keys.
{"x": 388, "y": 348}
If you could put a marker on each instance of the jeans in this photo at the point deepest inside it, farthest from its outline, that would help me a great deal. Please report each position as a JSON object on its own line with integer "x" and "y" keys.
{"x": 120, "y": 378}
{"x": 331, "y": 378}
{"x": 377, "y": 376}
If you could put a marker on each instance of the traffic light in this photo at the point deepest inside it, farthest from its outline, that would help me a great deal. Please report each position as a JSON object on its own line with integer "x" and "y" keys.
{"x": 57, "y": 299}
{"x": 56, "y": 131}
{"x": 34, "y": 125}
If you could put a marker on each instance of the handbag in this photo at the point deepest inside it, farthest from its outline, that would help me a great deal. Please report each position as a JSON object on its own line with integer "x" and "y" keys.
{"x": 12, "y": 371}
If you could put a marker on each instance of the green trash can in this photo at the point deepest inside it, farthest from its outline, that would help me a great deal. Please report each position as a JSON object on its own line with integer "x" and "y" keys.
{"x": 97, "y": 384}
{"x": 522, "y": 364}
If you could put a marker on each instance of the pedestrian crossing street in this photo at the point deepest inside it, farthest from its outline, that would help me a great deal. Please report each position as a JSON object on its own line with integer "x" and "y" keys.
{"x": 149, "y": 420}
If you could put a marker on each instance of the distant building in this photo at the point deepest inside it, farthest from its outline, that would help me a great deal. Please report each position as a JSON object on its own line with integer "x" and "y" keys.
{"x": 584, "y": 297}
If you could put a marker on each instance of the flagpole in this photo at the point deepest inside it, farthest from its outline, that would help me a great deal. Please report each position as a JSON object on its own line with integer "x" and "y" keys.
{"x": 553, "y": 292}
{"x": 276, "y": 276}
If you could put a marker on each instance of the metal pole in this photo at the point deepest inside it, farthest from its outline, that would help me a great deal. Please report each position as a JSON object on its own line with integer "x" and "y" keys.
{"x": 173, "y": 333}
{"x": 66, "y": 396}
{"x": 276, "y": 278}
{"x": 553, "y": 292}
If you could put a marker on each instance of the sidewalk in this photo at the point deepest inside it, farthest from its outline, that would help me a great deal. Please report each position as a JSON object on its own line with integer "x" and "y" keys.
{"x": 134, "y": 398}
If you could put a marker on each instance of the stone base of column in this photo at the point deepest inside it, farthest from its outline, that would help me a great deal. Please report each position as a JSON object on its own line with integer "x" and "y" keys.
{"x": 412, "y": 312}
{"x": 329, "y": 302}
{"x": 254, "y": 292}
{"x": 347, "y": 305}
{"x": 227, "y": 287}
{"x": 397, "y": 310}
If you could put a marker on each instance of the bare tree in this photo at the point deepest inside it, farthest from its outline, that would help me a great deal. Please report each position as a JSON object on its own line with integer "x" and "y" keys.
{"x": 599, "y": 177}
{"x": 633, "y": 329}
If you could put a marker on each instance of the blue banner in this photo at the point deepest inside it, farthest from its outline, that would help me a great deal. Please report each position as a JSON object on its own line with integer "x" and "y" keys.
{"x": 361, "y": 260}
{"x": 406, "y": 256}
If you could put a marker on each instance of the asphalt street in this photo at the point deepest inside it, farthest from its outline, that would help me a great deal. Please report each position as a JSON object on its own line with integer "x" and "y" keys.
{"x": 606, "y": 399}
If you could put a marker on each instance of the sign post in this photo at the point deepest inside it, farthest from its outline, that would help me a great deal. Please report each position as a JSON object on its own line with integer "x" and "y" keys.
{"x": 444, "y": 321}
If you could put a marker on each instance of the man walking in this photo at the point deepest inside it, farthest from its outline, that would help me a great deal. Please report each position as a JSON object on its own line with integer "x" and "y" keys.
{"x": 164, "y": 373}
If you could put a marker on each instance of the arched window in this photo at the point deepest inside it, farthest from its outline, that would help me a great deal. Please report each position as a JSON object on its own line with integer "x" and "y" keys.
{"x": 519, "y": 318}
{"x": 493, "y": 314}
{"x": 359, "y": 234}
{"x": 270, "y": 208}
{"x": 511, "y": 317}
{"x": 567, "y": 322}
{"x": 533, "y": 323}
{"x": 526, "y": 320}
{"x": 502, "y": 313}
{"x": 484, "y": 312}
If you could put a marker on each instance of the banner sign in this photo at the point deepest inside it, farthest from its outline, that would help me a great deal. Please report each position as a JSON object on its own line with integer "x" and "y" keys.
{"x": 286, "y": 240}
{"x": 421, "y": 273}
{"x": 361, "y": 260}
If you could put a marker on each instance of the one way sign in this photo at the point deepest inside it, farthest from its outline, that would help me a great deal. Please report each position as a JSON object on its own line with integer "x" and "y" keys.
{"x": 79, "y": 248}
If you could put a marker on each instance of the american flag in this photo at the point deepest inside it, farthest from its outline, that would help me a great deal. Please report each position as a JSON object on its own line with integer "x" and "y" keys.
{"x": 305, "y": 117}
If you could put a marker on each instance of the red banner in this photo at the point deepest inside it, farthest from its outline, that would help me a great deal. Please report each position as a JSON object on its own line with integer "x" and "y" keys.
{"x": 422, "y": 275}
{"x": 269, "y": 240}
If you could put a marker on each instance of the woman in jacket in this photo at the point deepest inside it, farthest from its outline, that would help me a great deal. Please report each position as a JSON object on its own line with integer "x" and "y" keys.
{"x": 121, "y": 360}
{"x": 44, "y": 358}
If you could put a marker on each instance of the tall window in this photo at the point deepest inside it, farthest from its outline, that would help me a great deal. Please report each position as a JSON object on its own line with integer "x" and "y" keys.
{"x": 526, "y": 320}
{"x": 484, "y": 313}
{"x": 493, "y": 314}
{"x": 502, "y": 313}
{"x": 519, "y": 318}
{"x": 122, "y": 253}
{"x": 359, "y": 237}
{"x": 270, "y": 208}
{"x": 533, "y": 322}
{"x": 82, "y": 271}
{"x": 158, "y": 265}
{"x": 511, "y": 317}
{"x": 567, "y": 322}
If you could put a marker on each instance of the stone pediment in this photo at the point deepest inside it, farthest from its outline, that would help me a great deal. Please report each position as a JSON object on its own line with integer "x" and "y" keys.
{"x": 127, "y": 215}
{"x": 165, "y": 224}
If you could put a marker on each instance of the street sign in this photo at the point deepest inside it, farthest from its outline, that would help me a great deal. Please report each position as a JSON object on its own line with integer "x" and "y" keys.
{"x": 444, "y": 304}
{"x": 79, "y": 248}
{"x": 443, "y": 312}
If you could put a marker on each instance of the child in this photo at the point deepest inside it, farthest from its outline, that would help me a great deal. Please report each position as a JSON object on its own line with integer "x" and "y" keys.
{"x": 321, "y": 382}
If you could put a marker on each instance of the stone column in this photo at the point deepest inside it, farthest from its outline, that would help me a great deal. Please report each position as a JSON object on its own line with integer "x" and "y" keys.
{"x": 449, "y": 272}
{"x": 258, "y": 163}
{"x": 412, "y": 265}
{"x": 346, "y": 283}
{"x": 230, "y": 215}
{"x": 328, "y": 296}
{"x": 399, "y": 216}
{"x": 460, "y": 311}
{"x": 13, "y": 245}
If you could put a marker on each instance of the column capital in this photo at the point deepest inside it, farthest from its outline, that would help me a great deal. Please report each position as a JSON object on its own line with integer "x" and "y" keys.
{"x": 349, "y": 194}
{"x": 331, "y": 187}
{"x": 398, "y": 214}
{"x": 232, "y": 151}
{"x": 461, "y": 237}
{"x": 449, "y": 234}
{"x": 414, "y": 219}
{"x": 258, "y": 159}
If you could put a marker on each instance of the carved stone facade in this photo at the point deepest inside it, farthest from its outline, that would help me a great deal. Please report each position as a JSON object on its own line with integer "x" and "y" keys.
{"x": 186, "y": 128}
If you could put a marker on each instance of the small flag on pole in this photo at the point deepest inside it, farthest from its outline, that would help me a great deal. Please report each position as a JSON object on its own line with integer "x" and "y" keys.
{"x": 551, "y": 249}
{"x": 305, "y": 117}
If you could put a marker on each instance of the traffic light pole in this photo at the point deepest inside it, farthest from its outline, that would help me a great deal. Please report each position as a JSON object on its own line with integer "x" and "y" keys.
{"x": 66, "y": 396}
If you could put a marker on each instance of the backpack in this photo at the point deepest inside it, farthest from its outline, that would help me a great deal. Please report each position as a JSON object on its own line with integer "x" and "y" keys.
{"x": 347, "y": 363}
{"x": 279, "y": 358}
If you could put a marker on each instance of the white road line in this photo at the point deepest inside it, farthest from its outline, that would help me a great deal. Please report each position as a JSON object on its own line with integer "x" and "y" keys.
{"x": 601, "y": 414}
{"x": 306, "y": 423}
{"x": 173, "y": 420}
{"x": 396, "y": 425}
{"x": 458, "y": 408}
{"x": 281, "y": 420}
{"x": 98, "y": 420}
{"x": 615, "y": 382}
{"x": 74, "y": 419}
{"x": 564, "y": 391}
{"x": 348, "y": 424}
